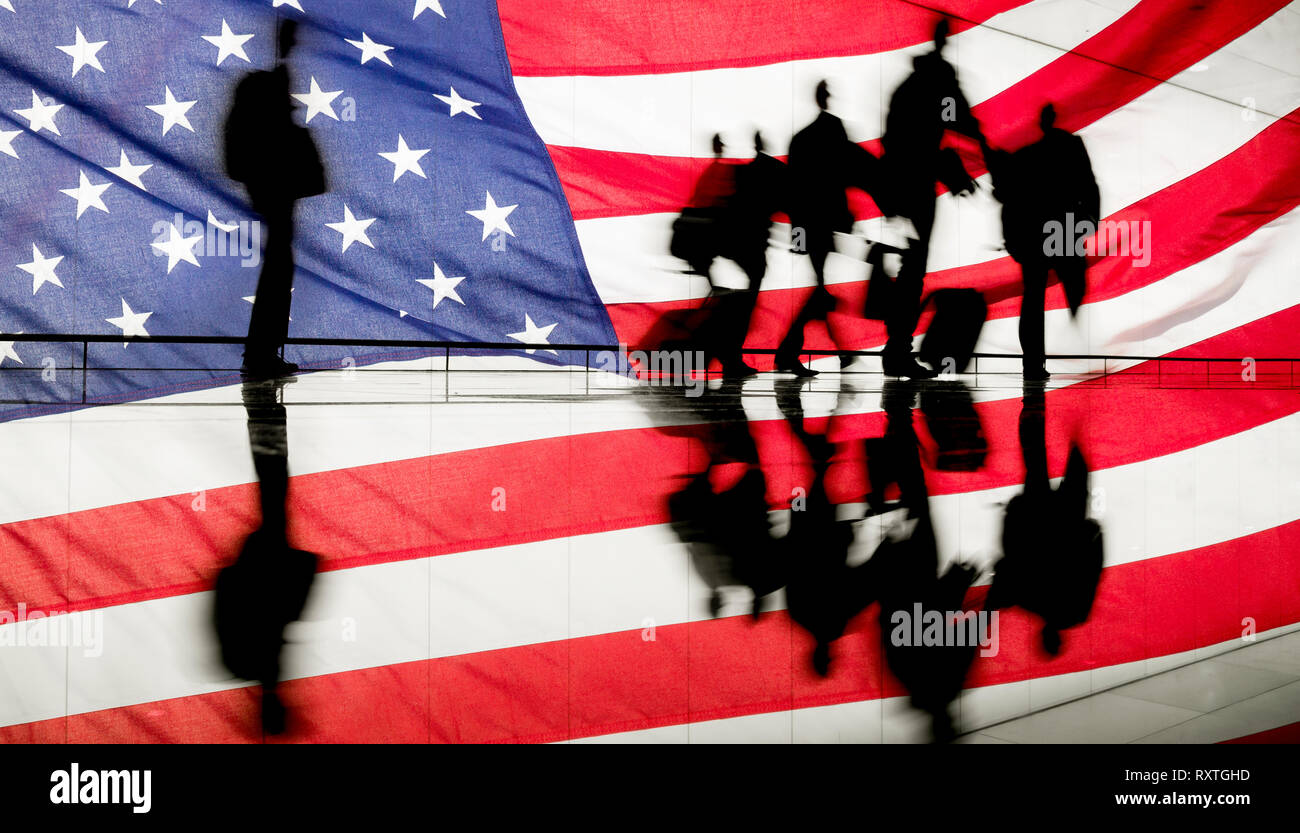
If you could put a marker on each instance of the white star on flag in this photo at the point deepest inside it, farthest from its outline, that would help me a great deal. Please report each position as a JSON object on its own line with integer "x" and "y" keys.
{"x": 226, "y": 227}
{"x": 130, "y": 323}
{"x": 291, "y": 3}
{"x": 534, "y": 334}
{"x": 318, "y": 101}
{"x": 442, "y": 286}
{"x": 228, "y": 43}
{"x": 352, "y": 229}
{"x": 178, "y": 248}
{"x": 493, "y": 216}
{"x": 40, "y": 116}
{"x": 42, "y": 269}
{"x": 87, "y": 195}
{"x": 405, "y": 159}
{"x": 7, "y": 142}
{"x": 130, "y": 3}
{"x": 131, "y": 173}
{"x": 173, "y": 111}
{"x": 370, "y": 49}
{"x": 7, "y": 347}
{"x": 459, "y": 104}
{"x": 84, "y": 53}
{"x": 5, "y": 4}
{"x": 434, "y": 5}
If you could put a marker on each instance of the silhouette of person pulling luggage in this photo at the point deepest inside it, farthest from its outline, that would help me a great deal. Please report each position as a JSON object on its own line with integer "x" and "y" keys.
{"x": 923, "y": 108}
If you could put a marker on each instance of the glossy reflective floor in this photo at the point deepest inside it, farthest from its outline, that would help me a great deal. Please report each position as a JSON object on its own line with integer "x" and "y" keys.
{"x": 1251, "y": 694}
{"x": 512, "y": 554}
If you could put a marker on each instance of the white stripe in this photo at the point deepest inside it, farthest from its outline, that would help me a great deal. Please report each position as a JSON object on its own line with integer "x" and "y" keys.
{"x": 601, "y": 583}
{"x": 675, "y": 114}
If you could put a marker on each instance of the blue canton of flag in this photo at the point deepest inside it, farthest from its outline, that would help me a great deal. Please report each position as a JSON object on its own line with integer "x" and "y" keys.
{"x": 444, "y": 216}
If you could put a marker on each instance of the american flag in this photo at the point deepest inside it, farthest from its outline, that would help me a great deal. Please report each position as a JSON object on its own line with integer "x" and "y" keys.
{"x": 511, "y": 171}
{"x": 444, "y": 219}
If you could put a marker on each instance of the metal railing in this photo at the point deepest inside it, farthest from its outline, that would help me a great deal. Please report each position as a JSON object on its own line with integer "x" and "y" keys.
{"x": 447, "y": 347}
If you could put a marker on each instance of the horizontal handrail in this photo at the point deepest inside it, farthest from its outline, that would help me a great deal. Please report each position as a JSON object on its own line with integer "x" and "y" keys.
{"x": 513, "y": 346}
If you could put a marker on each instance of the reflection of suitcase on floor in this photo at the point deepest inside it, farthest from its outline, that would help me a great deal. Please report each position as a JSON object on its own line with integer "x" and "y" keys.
{"x": 950, "y": 339}
{"x": 955, "y": 426}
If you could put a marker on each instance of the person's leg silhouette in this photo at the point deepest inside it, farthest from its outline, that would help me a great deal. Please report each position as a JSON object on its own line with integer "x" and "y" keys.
{"x": 1031, "y": 320}
{"x": 268, "y": 326}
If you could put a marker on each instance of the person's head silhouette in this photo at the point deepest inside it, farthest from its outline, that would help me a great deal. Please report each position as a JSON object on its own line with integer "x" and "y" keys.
{"x": 759, "y": 145}
{"x": 823, "y": 95}
{"x": 941, "y": 30}
{"x": 717, "y": 144}
{"x": 1047, "y": 117}
{"x": 287, "y": 37}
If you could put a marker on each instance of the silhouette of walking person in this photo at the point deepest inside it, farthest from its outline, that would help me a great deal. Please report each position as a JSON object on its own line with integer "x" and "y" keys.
{"x": 267, "y": 586}
{"x": 1045, "y": 183}
{"x": 697, "y": 233}
{"x": 1051, "y": 550}
{"x": 761, "y": 191}
{"x": 278, "y": 163}
{"x": 923, "y": 108}
{"x": 822, "y": 165}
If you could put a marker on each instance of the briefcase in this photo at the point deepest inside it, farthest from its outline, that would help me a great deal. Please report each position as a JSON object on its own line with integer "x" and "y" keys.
{"x": 949, "y": 341}
{"x": 695, "y": 236}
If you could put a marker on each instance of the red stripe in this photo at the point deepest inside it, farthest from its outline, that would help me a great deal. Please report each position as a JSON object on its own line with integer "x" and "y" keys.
{"x": 716, "y": 669}
{"x": 1282, "y": 734}
{"x": 435, "y": 505}
{"x": 619, "y": 37}
{"x": 1156, "y": 40}
{"x": 1190, "y": 221}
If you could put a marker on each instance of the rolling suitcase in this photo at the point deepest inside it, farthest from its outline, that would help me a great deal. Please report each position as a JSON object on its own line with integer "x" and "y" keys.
{"x": 950, "y": 340}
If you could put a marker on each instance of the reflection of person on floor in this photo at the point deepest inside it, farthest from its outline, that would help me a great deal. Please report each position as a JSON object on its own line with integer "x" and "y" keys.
{"x": 1051, "y": 550}
{"x": 267, "y": 586}
{"x": 824, "y": 592}
{"x": 1048, "y": 184}
{"x": 726, "y": 529}
{"x": 922, "y": 110}
{"x": 278, "y": 162}
{"x": 905, "y": 570}
{"x": 822, "y": 167}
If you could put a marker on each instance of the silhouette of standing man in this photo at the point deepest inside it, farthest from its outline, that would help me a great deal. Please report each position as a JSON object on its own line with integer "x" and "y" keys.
{"x": 278, "y": 162}
{"x": 923, "y": 108}
{"x": 822, "y": 160}
{"x": 1050, "y": 181}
